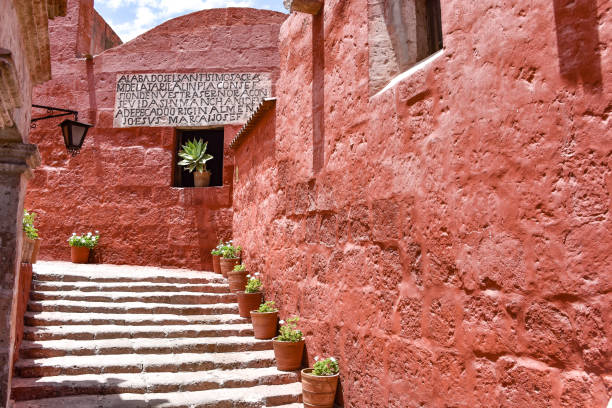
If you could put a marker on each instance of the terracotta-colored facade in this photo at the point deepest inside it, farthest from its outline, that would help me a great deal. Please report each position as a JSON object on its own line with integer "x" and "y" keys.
{"x": 24, "y": 63}
{"x": 121, "y": 183}
{"x": 449, "y": 237}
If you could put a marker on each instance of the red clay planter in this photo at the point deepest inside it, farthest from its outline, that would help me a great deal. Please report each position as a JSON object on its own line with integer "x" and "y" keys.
{"x": 227, "y": 265}
{"x": 79, "y": 254}
{"x": 265, "y": 325}
{"x": 237, "y": 280}
{"x": 216, "y": 264}
{"x": 318, "y": 391}
{"x": 288, "y": 354}
{"x": 248, "y": 302}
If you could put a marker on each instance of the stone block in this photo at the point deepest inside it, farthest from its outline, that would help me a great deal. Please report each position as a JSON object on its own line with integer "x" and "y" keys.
{"x": 304, "y": 6}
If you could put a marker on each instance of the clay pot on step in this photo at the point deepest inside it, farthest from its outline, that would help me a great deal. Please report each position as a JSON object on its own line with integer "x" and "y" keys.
{"x": 201, "y": 179}
{"x": 265, "y": 325}
{"x": 237, "y": 280}
{"x": 35, "y": 251}
{"x": 26, "y": 249}
{"x": 248, "y": 302}
{"x": 227, "y": 265}
{"x": 288, "y": 354}
{"x": 318, "y": 391}
{"x": 216, "y": 265}
{"x": 79, "y": 254}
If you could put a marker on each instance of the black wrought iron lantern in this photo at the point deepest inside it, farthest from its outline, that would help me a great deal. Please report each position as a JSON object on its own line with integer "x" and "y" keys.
{"x": 73, "y": 131}
{"x": 74, "y": 134}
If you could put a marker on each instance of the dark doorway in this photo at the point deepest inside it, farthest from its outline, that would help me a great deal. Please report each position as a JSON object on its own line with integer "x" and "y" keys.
{"x": 214, "y": 137}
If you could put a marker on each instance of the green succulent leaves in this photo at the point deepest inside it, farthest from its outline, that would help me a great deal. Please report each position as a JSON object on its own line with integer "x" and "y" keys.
{"x": 194, "y": 155}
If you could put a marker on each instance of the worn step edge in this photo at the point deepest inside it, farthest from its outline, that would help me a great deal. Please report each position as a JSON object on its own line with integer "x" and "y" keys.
{"x": 137, "y": 363}
{"x": 143, "y": 297}
{"x": 129, "y": 287}
{"x": 73, "y": 306}
{"x": 59, "y": 348}
{"x": 63, "y": 318}
{"x": 249, "y": 397}
{"x": 99, "y": 332}
{"x": 103, "y": 384}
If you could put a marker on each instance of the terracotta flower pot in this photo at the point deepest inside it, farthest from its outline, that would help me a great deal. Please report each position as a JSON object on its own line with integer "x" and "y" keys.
{"x": 216, "y": 265}
{"x": 201, "y": 179}
{"x": 36, "y": 251}
{"x": 265, "y": 325}
{"x": 318, "y": 391}
{"x": 227, "y": 265}
{"x": 288, "y": 354}
{"x": 26, "y": 249}
{"x": 248, "y": 302}
{"x": 79, "y": 254}
{"x": 237, "y": 280}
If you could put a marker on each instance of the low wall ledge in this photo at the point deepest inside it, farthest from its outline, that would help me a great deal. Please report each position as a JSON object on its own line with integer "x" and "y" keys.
{"x": 264, "y": 106}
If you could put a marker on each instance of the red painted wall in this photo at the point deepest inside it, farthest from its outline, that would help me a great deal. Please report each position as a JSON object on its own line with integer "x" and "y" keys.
{"x": 120, "y": 183}
{"x": 448, "y": 239}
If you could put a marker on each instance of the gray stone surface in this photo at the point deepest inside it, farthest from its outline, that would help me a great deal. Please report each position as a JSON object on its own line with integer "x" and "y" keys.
{"x": 108, "y": 353}
{"x": 196, "y": 99}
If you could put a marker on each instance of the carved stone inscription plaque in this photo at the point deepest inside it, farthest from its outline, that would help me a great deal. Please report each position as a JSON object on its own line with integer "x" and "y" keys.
{"x": 188, "y": 100}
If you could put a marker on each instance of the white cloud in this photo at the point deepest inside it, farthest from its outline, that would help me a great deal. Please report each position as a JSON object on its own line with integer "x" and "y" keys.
{"x": 150, "y": 13}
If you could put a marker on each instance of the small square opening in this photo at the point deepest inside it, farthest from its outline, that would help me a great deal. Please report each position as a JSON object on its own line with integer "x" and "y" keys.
{"x": 214, "y": 138}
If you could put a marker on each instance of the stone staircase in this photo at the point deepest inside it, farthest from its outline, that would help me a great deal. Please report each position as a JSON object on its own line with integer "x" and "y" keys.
{"x": 123, "y": 336}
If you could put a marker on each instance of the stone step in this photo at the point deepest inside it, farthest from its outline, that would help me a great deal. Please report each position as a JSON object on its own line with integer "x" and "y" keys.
{"x": 69, "y": 272}
{"x": 73, "y": 306}
{"x": 145, "y": 297}
{"x": 140, "y": 383}
{"x": 93, "y": 332}
{"x": 138, "y": 363}
{"x": 58, "y": 348}
{"x": 248, "y": 397}
{"x": 62, "y": 319}
{"x": 130, "y": 287}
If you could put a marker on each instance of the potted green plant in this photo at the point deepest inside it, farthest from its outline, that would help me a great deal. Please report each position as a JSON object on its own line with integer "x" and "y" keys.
{"x": 289, "y": 345}
{"x": 30, "y": 238}
{"x": 216, "y": 254}
{"x": 80, "y": 245}
{"x": 230, "y": 257}
{"x": 319, "y": 383}
{"x": 195, "y": 157}
{"x": 265, "y": 320}
{"x": 251, "y": 297}
{"x": 237, "y": 278}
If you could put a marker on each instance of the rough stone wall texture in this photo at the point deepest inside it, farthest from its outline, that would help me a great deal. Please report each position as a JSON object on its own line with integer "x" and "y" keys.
{"x": 454, "y": 248}
{"x": 120, "y": 183}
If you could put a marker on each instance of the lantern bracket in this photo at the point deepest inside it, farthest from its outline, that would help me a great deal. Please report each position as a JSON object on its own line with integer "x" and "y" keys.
{"x": 50, "y": 110}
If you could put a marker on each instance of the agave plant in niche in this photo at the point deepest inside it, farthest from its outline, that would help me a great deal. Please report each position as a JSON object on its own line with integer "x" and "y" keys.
{"x": 195, "y": 157}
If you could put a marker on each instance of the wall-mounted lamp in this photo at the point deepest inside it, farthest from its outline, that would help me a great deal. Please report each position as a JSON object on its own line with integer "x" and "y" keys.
{"x": 74, "y": 132}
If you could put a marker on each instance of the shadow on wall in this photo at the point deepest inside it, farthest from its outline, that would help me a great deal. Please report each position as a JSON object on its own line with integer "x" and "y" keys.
{"x": 318, "y": 93}
{"x": 578, "y": 42}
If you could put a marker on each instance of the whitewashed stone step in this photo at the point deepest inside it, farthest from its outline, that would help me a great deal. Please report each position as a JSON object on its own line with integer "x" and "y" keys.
{"x": 146, "y": 297}
{"x": 93, "y": 332}
{"x": 140, "y": 383}
{"x": 74, "y": 306}
{"x": 130, "y": 287}
{"x": 138, "y": 363}
{"x": 248, "y": 397}
{"x": 61, "y": 318}
{"x": 58, "y": 348}
{"x": 69, "y": 272}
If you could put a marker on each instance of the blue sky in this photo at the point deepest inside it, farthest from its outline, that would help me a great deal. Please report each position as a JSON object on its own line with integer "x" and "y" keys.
{"x": 130, "y": 18}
